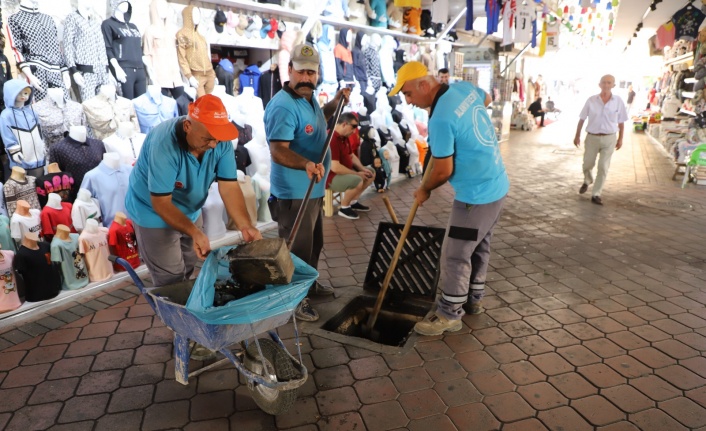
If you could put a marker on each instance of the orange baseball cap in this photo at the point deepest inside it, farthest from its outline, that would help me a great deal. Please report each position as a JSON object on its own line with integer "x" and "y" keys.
{"x": 209, "y": 111}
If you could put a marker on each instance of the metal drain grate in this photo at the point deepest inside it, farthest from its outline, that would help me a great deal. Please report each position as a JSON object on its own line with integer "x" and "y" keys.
{"x": 417, "y": 271}
{"x": 665, "y": 204}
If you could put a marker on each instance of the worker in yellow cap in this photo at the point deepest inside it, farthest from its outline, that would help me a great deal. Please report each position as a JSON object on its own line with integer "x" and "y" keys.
{"x": 465, "y": 152}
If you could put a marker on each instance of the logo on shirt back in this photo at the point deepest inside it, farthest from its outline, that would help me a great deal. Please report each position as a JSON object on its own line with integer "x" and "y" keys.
{"x": 178, "y": 185}
{"x": 309, "y": 129}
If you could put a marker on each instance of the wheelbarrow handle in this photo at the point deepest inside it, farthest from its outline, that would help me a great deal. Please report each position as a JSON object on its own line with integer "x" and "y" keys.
{"x": 128, "y": 268}
{"x": 307, "y": 195}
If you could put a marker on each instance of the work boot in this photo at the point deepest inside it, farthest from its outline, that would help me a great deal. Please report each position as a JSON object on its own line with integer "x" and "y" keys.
{"x": 437, "y": 325}
{"x": 318, "y": 289}
{"x": 473, "y": 307}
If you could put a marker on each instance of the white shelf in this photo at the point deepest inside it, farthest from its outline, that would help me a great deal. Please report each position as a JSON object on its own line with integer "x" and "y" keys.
{"x": 261, "y": 8}
{"x": 688, "y": 94}
{"x": 337, "y": 22}
{"x": 682, "y": 58}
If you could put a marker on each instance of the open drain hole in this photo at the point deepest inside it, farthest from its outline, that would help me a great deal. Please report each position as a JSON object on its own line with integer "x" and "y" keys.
{"x": 393, "y": 326}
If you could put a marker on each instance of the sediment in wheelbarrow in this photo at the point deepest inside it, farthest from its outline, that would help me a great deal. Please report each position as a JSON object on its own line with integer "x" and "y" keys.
{"x": 262, "y": 262}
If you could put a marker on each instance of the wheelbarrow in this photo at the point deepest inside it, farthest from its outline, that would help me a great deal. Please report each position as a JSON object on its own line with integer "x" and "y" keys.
{"x": 273, "y": 374}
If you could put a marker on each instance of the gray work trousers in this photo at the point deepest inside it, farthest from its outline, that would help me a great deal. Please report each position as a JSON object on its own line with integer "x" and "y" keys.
{"x": 168, "y": 253}
{"x": 466, "y": 254}
{"x": 309, "y": 241}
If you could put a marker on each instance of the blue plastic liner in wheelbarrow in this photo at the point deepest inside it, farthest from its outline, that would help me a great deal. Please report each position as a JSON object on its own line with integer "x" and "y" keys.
{"x": 274, "y": 300}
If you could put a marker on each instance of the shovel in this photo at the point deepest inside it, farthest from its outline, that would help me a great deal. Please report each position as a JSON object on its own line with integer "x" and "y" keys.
{"x": 367, "y": 329}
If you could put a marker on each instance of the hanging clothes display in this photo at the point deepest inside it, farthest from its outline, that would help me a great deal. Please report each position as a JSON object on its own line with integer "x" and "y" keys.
{"x": 152, "y": 112}
{"x": 6, "y": 241}
{"x": 127, "y": 147}
{"x": 687, "y": 22}
{"x": 344, "y": 59}
{"x": 15, "y": 190}
{"x": 94, "y": 246}
{"x": 359, "y": 62}
{"x": 270, "y": 84}
{"x": 20, "y": 128}
{"x": 123, "y": 240}
{"x": 53, "y": 182}
{"x": 34, "y": 41}
{"x": 56, "y": 120}
{"x": 109, "y": 186}
{"x": 53, "y": 217}
{"x": 40, "y": 277}
{"x": 123, "y": 43}
{"x": 22, "y": 224}
{"x": 104, "y": 113}
{"x": 159, "y": 47}
{"x": 84, "y": 51}
{"x": 9, "y": 296}
{"x": 250, "y": 77}
{"x": 77, "y": 157}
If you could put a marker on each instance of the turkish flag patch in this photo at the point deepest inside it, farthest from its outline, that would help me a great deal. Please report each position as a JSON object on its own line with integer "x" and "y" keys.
{"x": 178, "y": 185}
{"x": 309, "y": 129}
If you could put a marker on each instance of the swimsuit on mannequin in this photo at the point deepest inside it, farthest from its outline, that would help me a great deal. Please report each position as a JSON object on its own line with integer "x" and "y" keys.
{"x": 64, "y": 251}
{"x": 84, "y": 49}
{"x": 106, "y": 110}
{"x": 35, "y": 42}
{"x": 20, "y": 128}
{"x": 152, "y": 108}
{"x": 126, "y": 142}
{"x": 108, "y": 182}
{"x": 57, "y": 115}
{"x": 122, "y": 241}
{"x": 93, "y": 244}
{"x": 19, "y": 187}
{"x": 55, "y": 213}
{"x": 123, "y": 45}
{"x": 24, "y": 220}
{"x": 160, "y": 50}
{"x": 40, "y": 277}
{"x": 194, "y": 53}
{"x": 77, "y": 154}
{"x": 85, "y": 208}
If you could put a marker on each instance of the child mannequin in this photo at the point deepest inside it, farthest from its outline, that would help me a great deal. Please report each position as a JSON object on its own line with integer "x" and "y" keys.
{"x": 122, "y": 241}
{"x": 85, "y": 208}
{"x": 64, "y": 251}
{"x": 380, "y": 175}
{"x": 55, "y": 213}
{"x": 93, "y": 244}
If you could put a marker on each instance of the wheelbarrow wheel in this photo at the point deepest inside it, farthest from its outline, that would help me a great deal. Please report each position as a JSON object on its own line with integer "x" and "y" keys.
{"x": 271, "y": 401}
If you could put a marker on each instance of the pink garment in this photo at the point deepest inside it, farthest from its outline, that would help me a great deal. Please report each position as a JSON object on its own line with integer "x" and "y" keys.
{"x": 286, "y": 44}
{"x": 665, "y": 35}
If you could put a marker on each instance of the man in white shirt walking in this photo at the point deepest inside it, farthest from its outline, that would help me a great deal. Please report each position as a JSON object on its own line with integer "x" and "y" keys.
{"x": 606, "y": 116}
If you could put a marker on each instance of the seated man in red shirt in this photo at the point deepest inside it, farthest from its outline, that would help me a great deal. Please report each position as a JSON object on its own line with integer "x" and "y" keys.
{"x": 348, "y": 175}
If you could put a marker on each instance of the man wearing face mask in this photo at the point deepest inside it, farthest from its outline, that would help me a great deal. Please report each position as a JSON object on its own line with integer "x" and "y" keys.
{"x": 295, "y": 126}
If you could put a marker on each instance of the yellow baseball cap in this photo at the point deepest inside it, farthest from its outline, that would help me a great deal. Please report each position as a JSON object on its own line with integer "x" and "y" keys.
{"x": 408, "y": 72}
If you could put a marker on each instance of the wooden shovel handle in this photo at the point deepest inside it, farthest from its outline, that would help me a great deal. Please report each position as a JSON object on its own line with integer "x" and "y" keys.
{"x": 390, "y": 210}
{"x": 395, "y": 257}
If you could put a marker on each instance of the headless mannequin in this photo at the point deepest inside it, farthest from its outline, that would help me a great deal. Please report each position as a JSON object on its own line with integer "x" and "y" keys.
{"x": 261, "y": 184}
{"x": 78, "y": 133}
{"x": 30, "y": 240}
{"x": 62, "y": 232}
{"x": 23, "y": 208}
{"x": 83, "y": 195}
{"x": 107, "y": 92}
{"x": 155, "y": 93}
{"x": 191, "y": 91}
{"x": 126, "y": 130}
{"x": 91, "y": 226}
{"x": 18, "y": 174}
{"x": 53, "y": 168}
{"x": 119, "y": 14}
{"x": 120, "y": 218}
{"x": 112, "y": 160}
{"x": 54, "y": 201}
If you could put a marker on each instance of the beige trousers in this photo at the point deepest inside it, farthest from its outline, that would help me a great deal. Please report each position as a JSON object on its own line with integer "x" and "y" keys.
{"x": 207, "y": 80}
{"x": 596, "y": 145}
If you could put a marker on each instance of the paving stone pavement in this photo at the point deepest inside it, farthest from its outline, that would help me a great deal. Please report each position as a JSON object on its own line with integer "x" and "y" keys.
{"x": 595, "y": 320}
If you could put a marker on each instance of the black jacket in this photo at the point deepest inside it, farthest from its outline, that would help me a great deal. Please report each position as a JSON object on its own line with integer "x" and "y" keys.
{"x": 270, "y": 84}
{"x": 123, "y": 42}
{"x": 359, "y": 61}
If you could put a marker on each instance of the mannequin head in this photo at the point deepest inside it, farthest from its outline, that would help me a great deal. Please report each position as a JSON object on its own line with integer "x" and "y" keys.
{"x": 196, "y": 15}
{"x": 248, "y": 91}
{"x": 107, "y": 91}
{"x": 78, "y": 133}
{"x": 30, "y": 240}
{"x": 84, "y": 7}
{"x": 122, "y": 10}
{"x": 91, "y": 226}
{"x": 365, "y": 41}
{"x": 112, "y": 160}
{"x": 84, "y": 195}
{"x": 120, "y": 218}
{"x": 30, "y": 3}
{"x": 62, "y": 231}
{"x": 155, "y": 92}
{"x": 23, "y": 97}
{"x": 18, "y": 174}
{"x": 54, "y": 201}
{"x": 53, "y": 168}
{"x": 22, "y": 207}
{"x": 375, "y": 40}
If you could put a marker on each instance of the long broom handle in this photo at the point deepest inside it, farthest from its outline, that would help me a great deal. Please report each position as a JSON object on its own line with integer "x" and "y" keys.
{"x": 322, "y": 157}
{"x": 398, "y": 250}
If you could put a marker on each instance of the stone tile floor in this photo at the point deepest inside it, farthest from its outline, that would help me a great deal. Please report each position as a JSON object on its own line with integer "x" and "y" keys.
{"x": 595, "y": 320}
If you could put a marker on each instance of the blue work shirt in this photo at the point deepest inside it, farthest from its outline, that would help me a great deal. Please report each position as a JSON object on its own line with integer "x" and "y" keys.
{"x": 166, "y": 167}
{"x": 460, "y": 127}
{"x": 109, "y": 186}
{"x": 151, "y": 113}
{"x": 291, "y": 118}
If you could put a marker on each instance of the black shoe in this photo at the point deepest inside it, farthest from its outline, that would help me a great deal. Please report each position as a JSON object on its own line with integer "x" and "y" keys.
{"x": 348, "y": 213}
{"x": 305, "y": 312}
{"x": 583, "y": 189}
{"x": 597, "y": 200}
{"x": 360, "y": 207}
{"x": 317, "y": 289}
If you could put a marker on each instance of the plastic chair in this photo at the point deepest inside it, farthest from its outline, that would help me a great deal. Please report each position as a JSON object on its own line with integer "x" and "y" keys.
{"x": 694, "y": 160}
